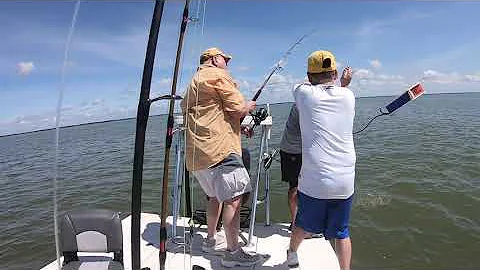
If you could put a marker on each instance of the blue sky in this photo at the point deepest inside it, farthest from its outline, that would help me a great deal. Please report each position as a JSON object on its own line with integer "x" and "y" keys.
{"x": 390, "y": 45}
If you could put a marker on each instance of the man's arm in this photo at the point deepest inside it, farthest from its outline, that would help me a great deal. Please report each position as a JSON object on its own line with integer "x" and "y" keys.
{"x": 233, "y": 101}
{"x": 247, "y": 107}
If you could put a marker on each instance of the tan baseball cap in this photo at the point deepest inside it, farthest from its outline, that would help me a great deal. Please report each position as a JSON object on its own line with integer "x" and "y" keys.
{"x": 321, "y": 61}
{"x": 211, "y": 52}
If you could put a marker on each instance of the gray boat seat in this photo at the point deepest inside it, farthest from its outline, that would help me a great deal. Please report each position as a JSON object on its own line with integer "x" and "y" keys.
{"x": 95, "y": 231}
{"x": 106, "y": 265}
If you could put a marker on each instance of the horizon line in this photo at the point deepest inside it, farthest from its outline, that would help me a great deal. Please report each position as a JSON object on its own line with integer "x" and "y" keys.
{"x": 162, "y": 114}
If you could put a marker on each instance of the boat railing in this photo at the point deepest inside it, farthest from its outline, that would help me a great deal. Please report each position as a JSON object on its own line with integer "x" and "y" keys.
{"x": 265, "y": 136}
{"x": 179, "y": 133}
{"x": 266, "y": 127}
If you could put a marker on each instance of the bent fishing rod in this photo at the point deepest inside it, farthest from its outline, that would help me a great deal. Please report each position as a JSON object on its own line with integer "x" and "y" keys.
{"x": 168, "y": 141}
{"x": 279, "y": 65}
{"x": 261, "y": 114}
{"x": 142, "y": 120}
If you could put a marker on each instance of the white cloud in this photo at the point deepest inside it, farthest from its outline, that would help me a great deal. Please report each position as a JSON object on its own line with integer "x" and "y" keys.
{"x": 375, "y": 63}
{"x": 384, "y": 77}
{"x": 432, "y": 74}
{"x": 362, "y": 73}
{"x": 95, "y": 110}
{"x": 449, "y": 78}
{"x": 473, "y": 78}
{"x": 25, "y": 68}
{"x": 92, "y": 50}
{"x": 367, "y": 75}
{"x": 366, "y": 82}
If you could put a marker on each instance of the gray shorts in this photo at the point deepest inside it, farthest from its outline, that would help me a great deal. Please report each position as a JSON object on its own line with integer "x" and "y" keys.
{"x": 224, "y": 182}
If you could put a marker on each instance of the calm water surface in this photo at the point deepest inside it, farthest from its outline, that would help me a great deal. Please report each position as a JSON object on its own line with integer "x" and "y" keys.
{"x": 417, "y": 185}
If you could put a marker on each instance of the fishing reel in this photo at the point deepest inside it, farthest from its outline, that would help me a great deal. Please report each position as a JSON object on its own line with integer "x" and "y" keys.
{"x": 260, "y": 115}
{"x": 257, "y": 118}
{"x": 268, "y": 158}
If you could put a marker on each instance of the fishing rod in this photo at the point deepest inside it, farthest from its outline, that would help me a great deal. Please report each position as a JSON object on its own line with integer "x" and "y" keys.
{"x": 280, "y": 64}
{"x": 168, "y": 142}
{"x": 262, "y": 114}
{"x": 142, "y": 119}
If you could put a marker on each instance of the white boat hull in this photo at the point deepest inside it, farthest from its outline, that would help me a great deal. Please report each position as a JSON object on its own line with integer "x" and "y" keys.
{"x": 271, "y": 241}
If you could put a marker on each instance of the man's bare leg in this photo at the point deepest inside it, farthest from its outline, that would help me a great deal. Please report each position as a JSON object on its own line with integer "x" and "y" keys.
{"x": 298, "y": 234}
{"x": 231, "y": 222}
{"x": 292, "y": 204}
{"x": 343, "y": 248}
{"x": 213, "y": 214}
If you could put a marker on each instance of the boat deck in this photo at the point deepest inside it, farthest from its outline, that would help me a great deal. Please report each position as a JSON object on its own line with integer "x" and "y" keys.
{"x": 271, "y": 241}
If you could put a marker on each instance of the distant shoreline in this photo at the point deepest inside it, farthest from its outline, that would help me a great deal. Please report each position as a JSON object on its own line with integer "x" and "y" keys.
{"x": 156, "y": 115}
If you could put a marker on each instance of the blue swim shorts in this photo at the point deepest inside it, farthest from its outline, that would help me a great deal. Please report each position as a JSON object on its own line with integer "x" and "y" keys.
{"x": 327, "y": 216}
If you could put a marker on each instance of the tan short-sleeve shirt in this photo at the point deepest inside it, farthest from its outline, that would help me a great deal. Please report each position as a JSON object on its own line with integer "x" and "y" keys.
{"x": 211, "y": 133}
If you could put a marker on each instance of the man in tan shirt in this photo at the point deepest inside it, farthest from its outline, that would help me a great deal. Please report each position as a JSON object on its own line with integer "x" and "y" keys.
{"x": 213, "y": 107}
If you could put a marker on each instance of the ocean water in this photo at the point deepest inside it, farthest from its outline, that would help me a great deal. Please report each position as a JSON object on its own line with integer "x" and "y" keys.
{"x": 417, "y": 184}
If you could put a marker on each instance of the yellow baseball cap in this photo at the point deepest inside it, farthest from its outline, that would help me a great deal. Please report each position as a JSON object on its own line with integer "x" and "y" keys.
{"x": 321, "y": 61}
{"x": 211, "y": 52}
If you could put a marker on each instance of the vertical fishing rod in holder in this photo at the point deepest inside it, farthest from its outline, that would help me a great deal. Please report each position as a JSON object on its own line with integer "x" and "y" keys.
{"x": 162, "y": 254}
{"x": 266, "y": 126}
{"x": 142, "y": 120}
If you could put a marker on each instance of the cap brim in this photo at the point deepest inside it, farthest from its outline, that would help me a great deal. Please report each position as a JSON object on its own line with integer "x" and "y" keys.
{"x": 226, "y": 56}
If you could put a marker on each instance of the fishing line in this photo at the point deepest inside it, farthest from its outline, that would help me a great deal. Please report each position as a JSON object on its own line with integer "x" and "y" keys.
{"x": 57, "y": 128}
{"x": 381, "y": 113}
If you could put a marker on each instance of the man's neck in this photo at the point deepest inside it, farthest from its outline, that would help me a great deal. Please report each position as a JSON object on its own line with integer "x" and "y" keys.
{"x": 329, "y": 82}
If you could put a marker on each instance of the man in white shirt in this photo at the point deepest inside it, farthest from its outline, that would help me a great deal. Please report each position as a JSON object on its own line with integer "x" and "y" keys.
{"x": 291, "y": 151}
{"x": 326, "y": 182}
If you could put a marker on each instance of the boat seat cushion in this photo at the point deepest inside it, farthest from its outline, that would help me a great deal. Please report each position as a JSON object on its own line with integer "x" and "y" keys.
{"x": 102, "y": 265}
{"x": 93, "y": 230}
